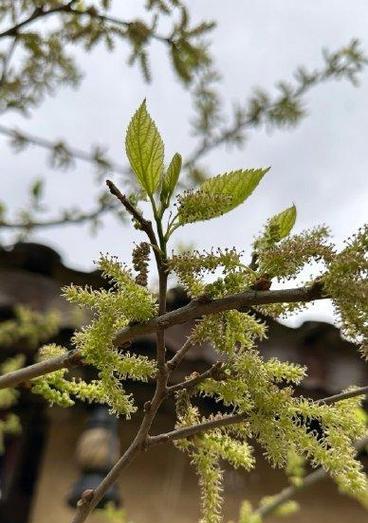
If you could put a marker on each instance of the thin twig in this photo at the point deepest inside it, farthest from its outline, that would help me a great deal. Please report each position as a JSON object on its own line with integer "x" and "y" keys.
{"x": 224, "y": 421}
{"x": 144, "y": 224}
{"x": 74, "y": 152}
{"x": 187, "y": 432}
{"x": 39, "y": 12}
{"x": 196, "y": 379}
{"x": 63, "y": 220}
{"x": 361, "y": 391}
{"x": 289, "y": 492}
{"x": 118, "y": 21}
{"x": 180, "y": 355}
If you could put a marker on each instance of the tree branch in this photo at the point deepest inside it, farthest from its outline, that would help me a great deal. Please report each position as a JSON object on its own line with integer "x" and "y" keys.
{"x": 66, "y": 361}
{"x": 337, "y": 65}
{"x": 361, "y": 391}
{"x": 145, "y": 225}
{"x": 90, "y": 499}
{"x": 39, "y": 12}
{"x": 180, "y": 355}
{"x": 93, "y": 13}
{"x": 196, "y": 379}
{"x": 63, "y": 220}
{"x": 74, "y": 152}
{"x": 186, "y": 432}
{"x": 203, "y": 307}
{"x": 196, "y": 309}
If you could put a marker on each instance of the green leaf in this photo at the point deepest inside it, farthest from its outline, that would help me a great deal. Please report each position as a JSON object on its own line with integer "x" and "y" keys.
{"x": 170, "y": 179}
{"x": 283, "y": 222}
{"x": 277, "y": 228}
{"x": 218, "y": 195}
{"x": 145, "y": 150}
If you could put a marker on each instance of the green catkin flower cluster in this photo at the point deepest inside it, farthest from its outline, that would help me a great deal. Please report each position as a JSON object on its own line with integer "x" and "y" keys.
{"x": 9, "y": 424}
{"x": 246, "y": 514}
{"x": 263, "y": 389}
{"x": 283, "y": 260}
{"x": 192, "y": 268}
{"x": 9, "y": 396}
{"x": 347, "y": 283}
{"x": 286, "y": 259}
{"x": 30, "y": 327}
{"x": 113, "y": 309}
{"x": 210, "y": 482}
{"x": 57, "y": 390}
{"x": 295, "y": 469}
{"x": 227, "y": 330}
{"x": 205, "y": 458}
{"x": 201, "y": 205}
{"x": 280, "y": 422}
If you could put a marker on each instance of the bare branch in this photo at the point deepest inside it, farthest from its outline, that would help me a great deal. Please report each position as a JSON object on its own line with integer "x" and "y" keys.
{"x": 144, "y": 224}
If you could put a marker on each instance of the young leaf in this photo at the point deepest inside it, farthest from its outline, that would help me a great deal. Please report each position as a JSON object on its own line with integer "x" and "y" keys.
{"x": 218, "y": 195}
{"x": 145, "y": 149}
{"x": 277, "y": 228}
{"x": 170, "y": 179}
{"x": 283, "y": 222}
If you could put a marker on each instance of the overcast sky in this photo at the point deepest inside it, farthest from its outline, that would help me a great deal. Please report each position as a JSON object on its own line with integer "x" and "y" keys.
{"x": 322, "y": 166}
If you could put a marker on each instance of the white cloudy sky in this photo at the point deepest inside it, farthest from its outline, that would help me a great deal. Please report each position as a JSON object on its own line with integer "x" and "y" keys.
{"x": 321, "y": 166}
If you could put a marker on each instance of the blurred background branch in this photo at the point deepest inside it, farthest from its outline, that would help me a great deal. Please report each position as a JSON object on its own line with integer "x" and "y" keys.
{"x": 37, "y": 60}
